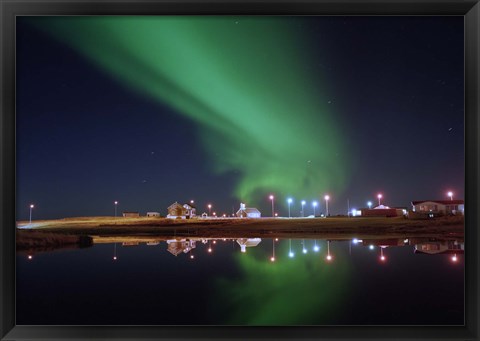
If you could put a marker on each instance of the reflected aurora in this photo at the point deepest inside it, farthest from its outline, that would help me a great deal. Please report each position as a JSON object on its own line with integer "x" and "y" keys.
{"x": 244, "y": 81}
{"x": 292, "y": 291}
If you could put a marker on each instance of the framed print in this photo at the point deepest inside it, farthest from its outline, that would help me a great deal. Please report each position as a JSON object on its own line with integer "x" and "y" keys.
{"x": 224, "y": 170}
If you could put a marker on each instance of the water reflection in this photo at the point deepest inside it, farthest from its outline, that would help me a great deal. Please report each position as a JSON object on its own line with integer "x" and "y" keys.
{"x": 178, "y": 246}
{"x": 251, "y": 281}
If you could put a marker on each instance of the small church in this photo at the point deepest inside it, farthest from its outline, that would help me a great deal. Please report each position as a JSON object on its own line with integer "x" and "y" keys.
{"x": 248, "y": 212}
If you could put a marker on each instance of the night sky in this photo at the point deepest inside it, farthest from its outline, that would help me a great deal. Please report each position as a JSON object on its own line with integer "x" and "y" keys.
{"x": 223, "y": 110}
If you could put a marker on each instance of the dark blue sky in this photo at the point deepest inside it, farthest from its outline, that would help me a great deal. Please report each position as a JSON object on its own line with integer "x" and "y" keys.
{"x": 85, "y": 140}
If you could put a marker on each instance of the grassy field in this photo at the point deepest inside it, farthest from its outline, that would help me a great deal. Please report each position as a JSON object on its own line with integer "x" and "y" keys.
{"x": 338, "y": 227}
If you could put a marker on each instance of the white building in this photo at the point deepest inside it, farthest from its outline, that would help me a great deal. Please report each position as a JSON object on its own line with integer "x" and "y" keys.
{"x": 248, "y": 212}
{"x": 439, "y": 206}
{"x": 153, "y": 214}
{"x": 191, "y": 210}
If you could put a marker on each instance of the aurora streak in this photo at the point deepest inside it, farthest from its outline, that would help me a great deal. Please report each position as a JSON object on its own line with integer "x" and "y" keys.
{"x": 244, "y": 81}
{"x": 304, "y": 290}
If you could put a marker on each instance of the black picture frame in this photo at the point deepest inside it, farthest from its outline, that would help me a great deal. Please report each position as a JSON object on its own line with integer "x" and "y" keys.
{"x": 470, "y": 9}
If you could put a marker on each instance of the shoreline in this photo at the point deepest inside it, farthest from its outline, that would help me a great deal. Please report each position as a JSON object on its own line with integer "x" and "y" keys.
{"x": 260, "y": 227}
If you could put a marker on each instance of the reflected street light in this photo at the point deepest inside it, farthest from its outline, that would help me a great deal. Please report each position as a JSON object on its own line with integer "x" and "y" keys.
{"x": 327, "y": 197}
{"x": 290, "y": 253}
{"x": 303, "y": 204}
{"x": 329, "y": 256}
{"x": 273, "y": 251}
{"x": 31, "y": 208}
{"x": 382, "y": 257}
{"x": 289, "y": 202}
{"x": 271, "y": 198}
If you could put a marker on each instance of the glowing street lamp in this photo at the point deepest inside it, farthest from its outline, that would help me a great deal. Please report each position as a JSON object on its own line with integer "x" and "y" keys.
{"x": 31, "y": 208}
{"x": 209, "y": 209}
{"x": 450, "y": 194}
{"x": 379, "y": 196}
{"x": 303, "y": 204}
{"x": 369, "y": 204}
{"x": 271, "y": 198}
{"x": 327, "y": 197}
{"x": 116, "y": 203}
{"x": 454, "y": 258}
{"x": 289, "y": 200}
{"x": 314, "y": 204}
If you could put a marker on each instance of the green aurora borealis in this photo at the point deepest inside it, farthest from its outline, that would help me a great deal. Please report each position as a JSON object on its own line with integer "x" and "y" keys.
{"x": 305, "y": 290}
{"x": 244, "y": 81}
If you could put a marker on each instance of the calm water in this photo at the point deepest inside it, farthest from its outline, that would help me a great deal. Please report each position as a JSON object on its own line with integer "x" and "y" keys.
{"x": 148, "y": 284}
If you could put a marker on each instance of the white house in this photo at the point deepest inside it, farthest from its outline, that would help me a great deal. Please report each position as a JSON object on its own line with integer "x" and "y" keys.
{"x": 439, "y": 206}
{"x": 248, "y": 212}
{"x": 153, "y": 214}
{"x": 191, "y": 210}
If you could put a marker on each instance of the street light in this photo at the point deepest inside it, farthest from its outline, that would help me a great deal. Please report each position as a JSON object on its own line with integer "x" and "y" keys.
{"x": 450, "y": 194}
{"x": 314, "y": 205}
{"x": 327, "y": 197}
{"x": 369, "y": 204}
{"x": 303, "y": 204}
{"x": 116, "y": 203}
{"x": 31, "y": 207}
{"x": 271, "y": 198}
{"x": 209, "y": 209}
{"x": 289, "y": 202}
{"x": 379, "y": 197}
